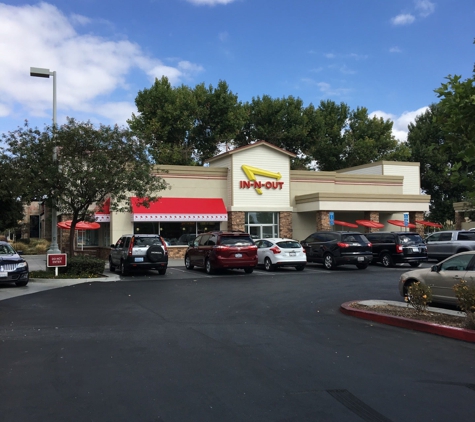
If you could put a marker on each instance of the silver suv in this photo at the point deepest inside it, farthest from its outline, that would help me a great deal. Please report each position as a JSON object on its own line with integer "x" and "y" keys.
{"x": 441, "y": 245}
{"x": 139, "y": 252}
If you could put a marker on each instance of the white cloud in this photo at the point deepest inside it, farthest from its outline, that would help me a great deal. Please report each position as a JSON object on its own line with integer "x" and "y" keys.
{"x": 209, "y": 2}
{"x": 405, "y": 19}
{"x": 425, "y": 7}
{"x": 395, "y": 50}
{"x": 89, "y": 68}
{"x": 400, "y": 123}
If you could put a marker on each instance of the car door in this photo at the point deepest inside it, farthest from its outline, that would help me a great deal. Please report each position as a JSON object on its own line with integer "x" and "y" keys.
{"x": 192, "y": 251}
{"x": 448, "y": 273}
{"x": 262, "y": 250}
{"x": 116, "y": 251}
{"x": 312, "y": 245}
{"x": 438, "y": 245}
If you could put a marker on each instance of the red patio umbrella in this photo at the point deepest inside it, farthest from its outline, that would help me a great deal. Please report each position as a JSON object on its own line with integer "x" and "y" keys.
{"x": 81, "y": 225}
{"x": 400, "y": 223}
{"x": 369, "y": 223}
{"x": 429, "y": 224}
{"x": 345, "y": 224}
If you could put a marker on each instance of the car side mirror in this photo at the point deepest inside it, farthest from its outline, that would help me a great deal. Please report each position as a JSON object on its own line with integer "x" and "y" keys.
{"x": 112, "y": 246}
{"x": 434, "y": 268}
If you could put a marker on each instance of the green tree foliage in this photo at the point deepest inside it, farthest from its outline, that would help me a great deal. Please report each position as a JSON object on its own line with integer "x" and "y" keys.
{"x": 457, "y": 120}
{"x": 340, "y": 137}
{"x": 186, "y": 126}
{"x": 426, "y": 139}
{"x": 11, "y": 192}
{"x": 92, "y": 163}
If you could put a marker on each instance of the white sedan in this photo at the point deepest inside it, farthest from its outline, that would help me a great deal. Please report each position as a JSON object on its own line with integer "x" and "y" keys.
{"x": 278, "y": 252}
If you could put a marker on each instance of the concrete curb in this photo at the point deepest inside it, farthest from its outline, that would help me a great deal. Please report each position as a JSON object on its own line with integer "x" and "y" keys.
{"x": 426, "y": 327}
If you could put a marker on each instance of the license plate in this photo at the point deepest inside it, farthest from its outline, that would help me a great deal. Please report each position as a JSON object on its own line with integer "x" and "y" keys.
{"x": 138, "y": 259}
{"x": 3, "y": 273}
{"x": 360, "y": 258}
{"x": 238, "y": 255}
{"x": 292, "y": 253}
{"x": 415, "y": 249}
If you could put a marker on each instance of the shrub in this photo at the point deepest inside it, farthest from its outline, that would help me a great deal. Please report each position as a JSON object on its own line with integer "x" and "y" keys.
{"x": 465, "y": 294}
{"x": 83, "y": 266}
{"x": 32, "y": 246}
{"x": 419, "y": 296}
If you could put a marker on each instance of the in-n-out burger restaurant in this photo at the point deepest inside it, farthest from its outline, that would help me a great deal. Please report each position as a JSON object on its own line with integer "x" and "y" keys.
{"x": 253, "y": 189}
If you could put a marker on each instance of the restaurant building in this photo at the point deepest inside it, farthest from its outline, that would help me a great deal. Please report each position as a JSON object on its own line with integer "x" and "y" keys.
{"x": 253, "y": 189}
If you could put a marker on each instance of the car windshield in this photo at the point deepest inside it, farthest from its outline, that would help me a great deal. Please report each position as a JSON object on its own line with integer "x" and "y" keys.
{"x": 358, "y": 238}
{"x": 6, "y": 250}
{"x": 236, "y": 241}
{"x": 288, "y": 244}
{"x": 410, "y": 239}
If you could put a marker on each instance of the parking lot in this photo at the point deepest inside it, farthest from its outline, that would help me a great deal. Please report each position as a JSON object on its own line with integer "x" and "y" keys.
{"x": 187, "y": 346}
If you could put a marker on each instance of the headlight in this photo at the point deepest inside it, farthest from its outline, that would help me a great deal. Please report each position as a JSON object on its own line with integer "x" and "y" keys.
{"x": 21, "y": 265}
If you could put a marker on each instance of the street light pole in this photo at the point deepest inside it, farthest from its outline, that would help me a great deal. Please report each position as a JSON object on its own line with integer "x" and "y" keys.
{"x": 45, "y": 73}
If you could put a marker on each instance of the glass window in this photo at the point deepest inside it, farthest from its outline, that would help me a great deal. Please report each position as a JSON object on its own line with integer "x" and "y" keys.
{"x": 466, "y": 236}
{"x": 288, "y": 244}
{"x": 236, "y": 240}
{"x": 457, "y": 263}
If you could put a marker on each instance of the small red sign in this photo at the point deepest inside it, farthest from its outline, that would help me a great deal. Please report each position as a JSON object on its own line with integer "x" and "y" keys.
{"x": 57, "y": 260}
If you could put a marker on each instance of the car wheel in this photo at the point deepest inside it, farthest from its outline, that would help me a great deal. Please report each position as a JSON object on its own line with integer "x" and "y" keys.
{"x": 248, "y": 270}
{"x": 362, "y": 266}
{"x": 300, "y": 267}
{"x": 21, "y": 283}
{"x": 209, "y": 267}
{"x": 415, "y": 264}
{"x": 162, "y": 271}
{"x": 122, "y": 269}
{"x": 268, "y": 265}
{"x": 329, "y": 262}
{"x": 111, "y": 266}
{"x": 188, "y": 264}
{"x": 387, "y": 260}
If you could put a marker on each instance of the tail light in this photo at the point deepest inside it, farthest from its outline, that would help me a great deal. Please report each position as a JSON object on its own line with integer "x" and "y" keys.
{"x": 131, "y": 245}
{"x": 303, "y": 250}
{"x": 398, "y": 248}
{"x": 343, "y": 245}
{"x": 275, "y": 249}
{"x": 164, "y": 244}
{"x": 370, "y": 245}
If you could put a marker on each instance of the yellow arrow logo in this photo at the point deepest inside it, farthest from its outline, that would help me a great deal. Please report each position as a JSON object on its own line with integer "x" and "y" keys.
{"x": 251, "y": 172}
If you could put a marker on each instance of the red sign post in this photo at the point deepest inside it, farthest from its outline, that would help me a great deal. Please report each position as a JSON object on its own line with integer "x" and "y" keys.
{"x": 56, "y": 260}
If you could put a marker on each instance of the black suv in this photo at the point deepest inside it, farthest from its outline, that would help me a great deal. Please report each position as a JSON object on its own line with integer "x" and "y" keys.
{"x": 139, "y": 252}
{"x": 222, "y": 249}
{"x": 333, "y": 248}
{"x": 392, "y": 248}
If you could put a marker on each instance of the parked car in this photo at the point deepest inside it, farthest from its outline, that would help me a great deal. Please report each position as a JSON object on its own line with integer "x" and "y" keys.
{"x": 441, "y": 245}
{"x": 280, "y": 252}
{"x": 333, "y": 248}
{"x": 222, "y": 249}
{"x": 442, "y": 277}
{"x": 13, "y": 268}
{"x": 392, "y": 248}
{"x": 139, "y": 252}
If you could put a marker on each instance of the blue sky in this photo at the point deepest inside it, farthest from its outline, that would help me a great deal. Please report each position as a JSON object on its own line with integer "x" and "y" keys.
{"x": 387, "y": 56}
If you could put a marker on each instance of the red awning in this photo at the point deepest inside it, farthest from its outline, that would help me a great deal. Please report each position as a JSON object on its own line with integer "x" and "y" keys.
{"x": 400, "y": 223}
{"x": 180, "y": 209}
{"x": 429, "y": 224}
{"x": 82, "y": 225}
{"x": 369, "y": 223}
{"x": 103, "y": 215}
{"x": 345, "y": 224}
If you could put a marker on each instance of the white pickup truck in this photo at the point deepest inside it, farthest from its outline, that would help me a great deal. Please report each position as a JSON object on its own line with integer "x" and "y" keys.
{"x": 441, "y": 245}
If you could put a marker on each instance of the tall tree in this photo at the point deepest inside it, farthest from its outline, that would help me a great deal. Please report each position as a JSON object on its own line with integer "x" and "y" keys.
{"x": 92, "y": 163}
{"x": 426, "y": 139}
{"x": 341, "y": 138}
{"x": 183, "y": 125}
{"x": 11, "y": 193}
{"x": 457, "y": 120}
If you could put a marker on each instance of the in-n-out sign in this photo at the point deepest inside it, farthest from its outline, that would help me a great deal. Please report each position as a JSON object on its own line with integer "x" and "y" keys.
{"x": 258, "y": 185}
